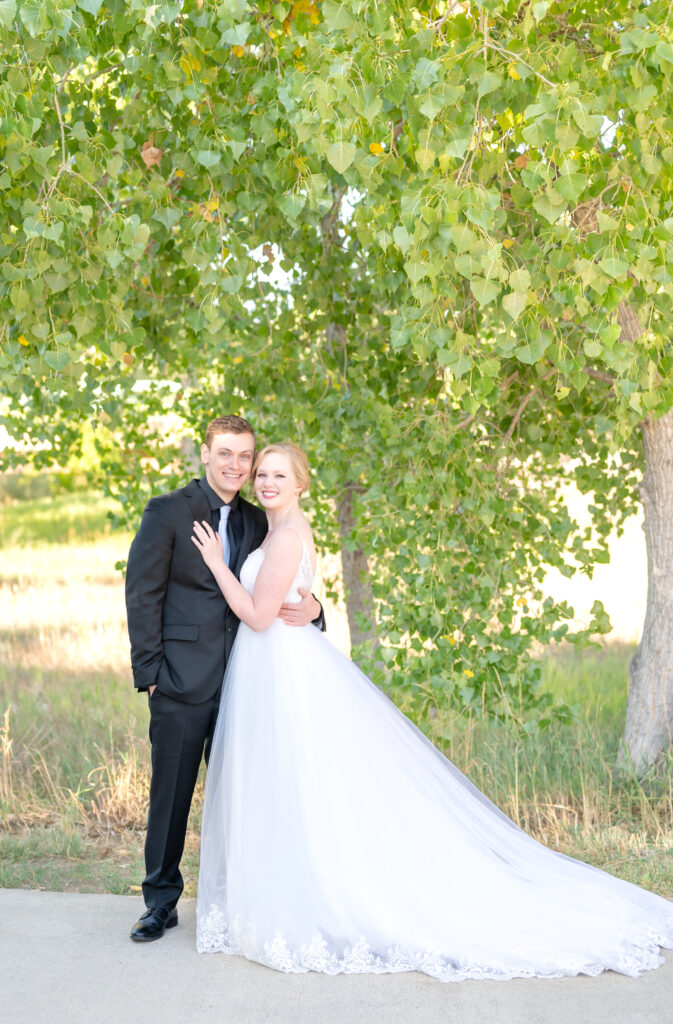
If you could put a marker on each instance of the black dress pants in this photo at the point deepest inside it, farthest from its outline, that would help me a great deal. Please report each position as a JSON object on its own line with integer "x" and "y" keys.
{"x": 180, "y": 734}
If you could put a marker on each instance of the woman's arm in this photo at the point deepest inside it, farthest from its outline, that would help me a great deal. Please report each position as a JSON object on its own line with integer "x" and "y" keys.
{"x": 279, "y": 568}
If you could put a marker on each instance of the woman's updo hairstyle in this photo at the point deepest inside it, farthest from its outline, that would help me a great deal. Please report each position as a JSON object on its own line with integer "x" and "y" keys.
{"x": 297, "y": 458}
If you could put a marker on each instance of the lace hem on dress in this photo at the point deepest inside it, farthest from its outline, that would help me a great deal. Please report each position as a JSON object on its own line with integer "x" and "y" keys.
{"x": 640, "y": 953}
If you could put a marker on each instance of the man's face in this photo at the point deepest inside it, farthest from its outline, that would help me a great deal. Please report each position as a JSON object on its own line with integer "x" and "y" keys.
{"x": 228, "y": 462}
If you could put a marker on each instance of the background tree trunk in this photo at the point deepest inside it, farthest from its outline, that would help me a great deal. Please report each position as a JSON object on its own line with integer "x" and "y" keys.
{"x": 357, "y": 586}
{"x": 649, "y": 715}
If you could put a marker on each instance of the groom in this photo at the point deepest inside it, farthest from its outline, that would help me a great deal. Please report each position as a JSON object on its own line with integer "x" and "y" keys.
{"x": 182, "y": 632}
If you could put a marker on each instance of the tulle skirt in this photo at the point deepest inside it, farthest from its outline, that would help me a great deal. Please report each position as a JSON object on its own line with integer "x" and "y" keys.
{"x": 336, "y": 838}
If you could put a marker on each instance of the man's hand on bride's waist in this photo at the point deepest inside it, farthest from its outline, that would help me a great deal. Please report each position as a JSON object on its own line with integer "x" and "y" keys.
{"x": 300, "y": 613}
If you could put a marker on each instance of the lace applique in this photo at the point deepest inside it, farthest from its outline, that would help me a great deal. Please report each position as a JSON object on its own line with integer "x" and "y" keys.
{"x": 640, "y": 953}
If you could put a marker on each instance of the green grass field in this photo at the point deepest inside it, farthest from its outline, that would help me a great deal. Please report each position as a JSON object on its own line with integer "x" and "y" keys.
{"x": 74, "y": 754}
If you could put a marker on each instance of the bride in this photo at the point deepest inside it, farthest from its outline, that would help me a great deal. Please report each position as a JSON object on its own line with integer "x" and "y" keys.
{"x": 336, "y": 838}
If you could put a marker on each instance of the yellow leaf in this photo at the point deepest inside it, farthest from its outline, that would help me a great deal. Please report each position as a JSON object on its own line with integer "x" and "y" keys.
{"x": 452, "y": 641}
{"x": 508, "y": 243}
{"x": 469, "y": 673}
{"x": 375, "y": 148}
{"x": 23, "y": 340}
{"x": 189, "y": 63}
{"x": 179, "y": 173}
{"x": 213, "y": 204}
{"x": 512, "y": 72}
{"x": 237, "y": 359}
{"x": 238, "y": 51}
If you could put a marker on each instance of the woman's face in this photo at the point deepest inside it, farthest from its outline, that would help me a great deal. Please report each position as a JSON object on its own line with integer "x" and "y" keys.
{"x": 276, "y": 485}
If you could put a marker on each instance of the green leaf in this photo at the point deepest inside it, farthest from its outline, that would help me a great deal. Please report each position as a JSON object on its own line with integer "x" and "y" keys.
{"x": 463, "y": 237}
{"x": 549, "y": 206}
{"x": 425, "y": 158}
{"x": 341, "y": 156}
{"x": 514, "y": 303}
{"x": 56, "y": 360}
{"x": 238, "y": 35}
{"x": 606, "y": 222}
{"x": 458, "y": 363}
{"x": 291, "y": 204}
{"x": 566, "y": 138}
{"x": 651, "y": 163}
{"x": 91, "y": 6}
{"x": 520, "y": 280}
{"x": 30, "y": 16}
{"x": 207, "y": 157}
{"x": 540, "y": 9}
{"x": 168, "y": 216}
{"x": 613, "y": 267}
{"x": 425, "y": 73}
{"x": 236, "y": 147}
{"x": 533, "y": 350}
{"x": 431, "y": 104}
{"x": 415, "y": 270}
{"x": 589, "y": 124}
{"x": 7, "y": 12}
{"x": 402, "y": 237}
{"x": 336, "y": 16}
{"x": 489, "y": 81}
{"x": 484, "y": 290}
{"x": 457, "y": 147}
{"x": 571, "y": 186}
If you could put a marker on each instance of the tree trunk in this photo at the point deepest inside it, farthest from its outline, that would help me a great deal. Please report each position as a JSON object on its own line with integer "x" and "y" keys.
{"x": 649, "y": 714}
{"x": 357, "y": 586}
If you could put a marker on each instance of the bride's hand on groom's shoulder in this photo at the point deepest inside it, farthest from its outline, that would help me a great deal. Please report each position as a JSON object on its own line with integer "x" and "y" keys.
{"x": 208, "y": 543}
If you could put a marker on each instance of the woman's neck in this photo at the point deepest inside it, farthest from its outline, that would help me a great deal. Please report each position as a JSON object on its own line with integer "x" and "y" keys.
{"x": 277, "y": 516}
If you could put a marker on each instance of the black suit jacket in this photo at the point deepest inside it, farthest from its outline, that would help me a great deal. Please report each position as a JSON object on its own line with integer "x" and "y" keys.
{"x": 180, "y": 625}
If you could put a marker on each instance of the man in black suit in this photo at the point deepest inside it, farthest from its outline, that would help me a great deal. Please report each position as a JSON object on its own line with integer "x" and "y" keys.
{"x": 182, "y": 632}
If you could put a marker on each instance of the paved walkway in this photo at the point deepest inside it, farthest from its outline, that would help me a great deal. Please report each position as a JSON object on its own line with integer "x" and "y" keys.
{"x": 67, "y": 959}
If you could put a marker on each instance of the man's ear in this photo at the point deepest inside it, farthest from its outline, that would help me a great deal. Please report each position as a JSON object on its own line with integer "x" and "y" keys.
{"x": 205, "y": 452}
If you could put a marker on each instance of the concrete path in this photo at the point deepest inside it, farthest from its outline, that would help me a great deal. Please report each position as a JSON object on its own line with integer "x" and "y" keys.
{"x": 67, "y": 959}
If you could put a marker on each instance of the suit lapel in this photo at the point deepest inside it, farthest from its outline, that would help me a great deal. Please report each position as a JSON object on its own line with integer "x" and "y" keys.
{"x": 198, "y": 502}
{"x": 244, "y": 548}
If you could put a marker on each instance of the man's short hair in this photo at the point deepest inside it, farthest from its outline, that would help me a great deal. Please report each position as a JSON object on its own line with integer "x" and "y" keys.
{"x": 227, "y": 425}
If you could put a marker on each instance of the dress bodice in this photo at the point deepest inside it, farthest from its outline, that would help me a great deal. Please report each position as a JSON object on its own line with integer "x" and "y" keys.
{"x": 303, "y": 577}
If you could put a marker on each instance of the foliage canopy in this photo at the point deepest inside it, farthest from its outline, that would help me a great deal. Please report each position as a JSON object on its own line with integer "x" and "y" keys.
{"x": 431, "y": 242}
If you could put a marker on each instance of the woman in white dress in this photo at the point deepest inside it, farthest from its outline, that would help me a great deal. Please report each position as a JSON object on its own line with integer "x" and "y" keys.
{"x": 336, "y": 838}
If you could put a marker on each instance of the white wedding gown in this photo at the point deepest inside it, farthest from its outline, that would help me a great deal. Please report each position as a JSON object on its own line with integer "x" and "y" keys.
{"x": 336, "y": 838}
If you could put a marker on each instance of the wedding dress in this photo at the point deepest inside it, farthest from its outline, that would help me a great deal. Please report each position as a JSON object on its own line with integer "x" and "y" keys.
{"x": 336, "y": 838}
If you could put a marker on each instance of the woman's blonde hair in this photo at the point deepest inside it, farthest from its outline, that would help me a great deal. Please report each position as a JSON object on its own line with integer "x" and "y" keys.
{"x": 297, "y": 458}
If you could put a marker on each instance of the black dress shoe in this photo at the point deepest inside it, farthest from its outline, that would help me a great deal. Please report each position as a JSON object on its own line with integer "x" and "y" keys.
{"x": 154, "y": 923}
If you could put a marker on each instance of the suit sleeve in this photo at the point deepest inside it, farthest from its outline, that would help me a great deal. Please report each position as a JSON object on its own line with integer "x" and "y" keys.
{"x": 146, "y": 579}
{"x": 320, "y": 622}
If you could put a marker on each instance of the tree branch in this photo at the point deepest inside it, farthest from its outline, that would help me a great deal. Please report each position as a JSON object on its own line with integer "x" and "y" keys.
{"x": 524, "y": 402}
{"x": 606, "y": 378}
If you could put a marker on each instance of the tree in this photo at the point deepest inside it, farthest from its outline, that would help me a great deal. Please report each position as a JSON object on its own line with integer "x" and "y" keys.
{"x": 472, "y": 205}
